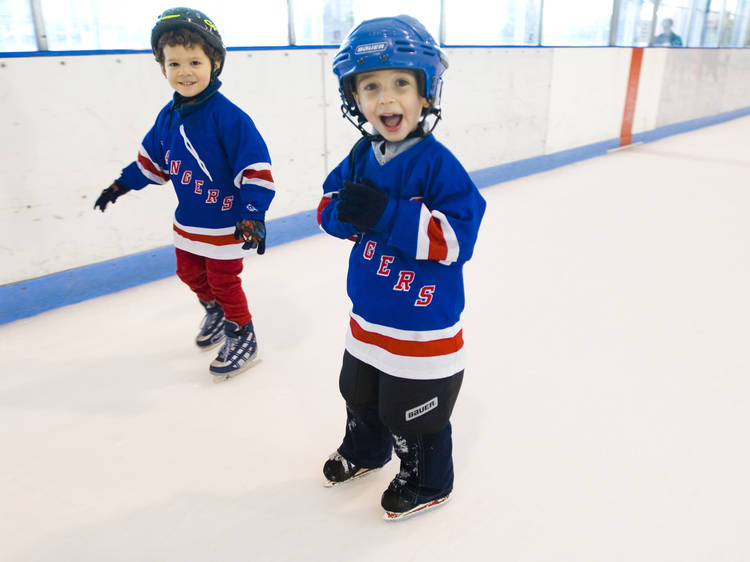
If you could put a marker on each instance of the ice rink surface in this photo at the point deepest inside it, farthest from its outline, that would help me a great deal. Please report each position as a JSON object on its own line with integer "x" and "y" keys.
{"x": 604, "y": 414}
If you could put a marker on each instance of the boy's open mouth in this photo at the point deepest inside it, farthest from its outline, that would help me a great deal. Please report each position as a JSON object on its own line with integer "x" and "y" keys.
{"x": 391, "y": 122}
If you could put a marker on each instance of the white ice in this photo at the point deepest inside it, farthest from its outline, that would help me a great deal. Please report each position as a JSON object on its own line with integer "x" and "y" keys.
{"x": 604, "y": 415}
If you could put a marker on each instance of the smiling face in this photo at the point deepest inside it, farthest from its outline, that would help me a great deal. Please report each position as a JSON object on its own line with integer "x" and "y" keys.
{"x": 389, "y": 99}
{"x": 187, "y": 69}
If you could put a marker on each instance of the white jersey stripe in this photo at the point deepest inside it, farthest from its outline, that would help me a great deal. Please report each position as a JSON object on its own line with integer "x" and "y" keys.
{"x": 259, "y": 182}
{"x": 256, "y": 166}
{"x": 449, "y": 235}
{"x": 423, "y": 240}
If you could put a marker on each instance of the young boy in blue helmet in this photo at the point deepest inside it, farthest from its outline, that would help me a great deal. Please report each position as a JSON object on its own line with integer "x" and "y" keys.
{"x": 413, "y": 214}
{"x": 221, "y": 171}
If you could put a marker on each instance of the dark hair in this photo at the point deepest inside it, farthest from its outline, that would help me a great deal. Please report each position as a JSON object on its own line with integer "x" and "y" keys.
{"x": 186, "y": 38}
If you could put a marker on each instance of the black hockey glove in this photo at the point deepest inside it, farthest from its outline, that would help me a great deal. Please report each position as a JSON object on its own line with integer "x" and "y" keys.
{"x": 110, "y": 195}
{"x": 253, "y": 232}
{"x": 361, "y": 204}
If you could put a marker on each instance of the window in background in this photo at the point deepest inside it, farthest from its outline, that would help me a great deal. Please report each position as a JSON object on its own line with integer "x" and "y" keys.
{"x": 672, "y": 23}
{"x": 733, "y": 31}
{"x": 16, "y": 26}
{"x": 249, "y": 23}
{"x": 426, "y": 11}
{"x": 741, "y": 37}
{"x": 327, "y": 22}
{"x": 90, "y": 25}
{"x": 697, "y": 19}
{"x": 576, "y": 22}
{"x": 502, "y": 22}
{"x": 103, "y": 24}
{"x": 710, "y": 30}
{"x": 322, "y": 22}
{"x": 634, "y": 23}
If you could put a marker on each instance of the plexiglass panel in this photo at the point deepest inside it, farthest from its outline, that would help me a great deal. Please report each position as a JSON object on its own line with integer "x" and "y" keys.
{"x": 111, "y": 24}
{"x": 672, "y": 23}
{"x": 576, "y": 22}
{"x": 327, "y": 22}
{"x": 16, "y": 26}
{"x": 503, "y": 22}
{"x": 101, "y": 24}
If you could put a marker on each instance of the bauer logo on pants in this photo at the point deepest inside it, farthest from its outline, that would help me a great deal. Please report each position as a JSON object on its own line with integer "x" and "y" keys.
{"x": 431, "y": 404}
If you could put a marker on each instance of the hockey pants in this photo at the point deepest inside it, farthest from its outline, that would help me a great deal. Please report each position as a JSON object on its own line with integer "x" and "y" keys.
{"x": 411, "y": 417}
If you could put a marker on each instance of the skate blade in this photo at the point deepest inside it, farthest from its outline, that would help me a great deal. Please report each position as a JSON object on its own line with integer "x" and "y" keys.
{"x": 391, "y": 516}
{"x": 359, "y": 474}
{"x": 221, "y": 377}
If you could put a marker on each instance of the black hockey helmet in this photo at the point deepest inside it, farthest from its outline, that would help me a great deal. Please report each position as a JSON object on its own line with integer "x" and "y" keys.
{"x": 194, "y": 20}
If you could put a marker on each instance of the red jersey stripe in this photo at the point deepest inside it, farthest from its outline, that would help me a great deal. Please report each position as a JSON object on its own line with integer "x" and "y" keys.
{"x": 438, "y": 247}
{"x": 258, "y": 174}
{"x": 214, "y": 240}
{"x": 151, "y": 167}
{"x": 324, "y": 201}
{"x": 408, "y": 348}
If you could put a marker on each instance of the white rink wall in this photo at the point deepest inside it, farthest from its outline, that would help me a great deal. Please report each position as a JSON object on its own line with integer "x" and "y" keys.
{"x": 69, "y": 124}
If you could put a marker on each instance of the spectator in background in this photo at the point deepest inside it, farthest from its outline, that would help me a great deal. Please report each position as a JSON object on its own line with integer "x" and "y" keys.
{"x": 668, "y": 38}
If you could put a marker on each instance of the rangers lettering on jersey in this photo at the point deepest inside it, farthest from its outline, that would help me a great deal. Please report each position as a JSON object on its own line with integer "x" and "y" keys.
{"x": 369, "y": 250}
{"x": 411, "y": 326}
{"x": 404, "y": 282}
{"x": 212, "y": 135}
{"x": 385, "y": 261}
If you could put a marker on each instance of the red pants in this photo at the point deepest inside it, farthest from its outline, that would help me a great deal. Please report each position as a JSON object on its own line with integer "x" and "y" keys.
{"x": 217, "y": 280}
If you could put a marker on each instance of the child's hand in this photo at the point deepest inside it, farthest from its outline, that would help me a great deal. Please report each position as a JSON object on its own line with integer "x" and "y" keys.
{"x": 110, "y": 195}
{"x": 253, "y": 232}
{"x": 361, "y": 204}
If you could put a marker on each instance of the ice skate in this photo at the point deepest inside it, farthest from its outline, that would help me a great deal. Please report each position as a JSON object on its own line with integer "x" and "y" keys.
{"x": 211, "y": 331}
{"x": 338, "y": 470}
{"x": 398, "y": 507}
{"x": 238, "y": 353}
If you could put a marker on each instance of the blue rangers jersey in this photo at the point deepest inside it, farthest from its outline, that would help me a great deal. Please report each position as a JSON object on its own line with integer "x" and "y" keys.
{"x": 405, "y": 276}
{"x": 219, "y": 166}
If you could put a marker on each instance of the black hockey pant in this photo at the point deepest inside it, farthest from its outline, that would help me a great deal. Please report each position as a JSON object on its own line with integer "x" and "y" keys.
{"x": 386, "y": 413}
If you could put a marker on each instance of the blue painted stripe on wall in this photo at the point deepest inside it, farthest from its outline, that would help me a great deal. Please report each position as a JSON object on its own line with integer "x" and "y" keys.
{"x": 27, "y": 298}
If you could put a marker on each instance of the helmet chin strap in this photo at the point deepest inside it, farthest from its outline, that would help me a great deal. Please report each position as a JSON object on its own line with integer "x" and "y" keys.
{"x": 422, "y": 124}
{"x": 420, "y": 131}
{"x": 359, "y": 124}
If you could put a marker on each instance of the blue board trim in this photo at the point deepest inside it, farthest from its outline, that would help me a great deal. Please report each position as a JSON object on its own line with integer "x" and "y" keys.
{"x": 27, "y": 298}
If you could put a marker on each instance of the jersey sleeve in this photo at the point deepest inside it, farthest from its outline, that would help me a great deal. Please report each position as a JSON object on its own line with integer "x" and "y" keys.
{"x": 251, "y": 164}
{"x": 442, "y": 225}
{"x": 147, "y": 168}
{"x": 327, "y": 216}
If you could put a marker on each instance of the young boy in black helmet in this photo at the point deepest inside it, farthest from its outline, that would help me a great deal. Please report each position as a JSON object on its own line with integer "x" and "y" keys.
{"x": 221, "y": 171}
{"x": 414, "y": 214}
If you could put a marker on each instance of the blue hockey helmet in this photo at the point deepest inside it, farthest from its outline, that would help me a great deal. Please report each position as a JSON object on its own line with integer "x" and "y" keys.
{"x": 394, "y": 42}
